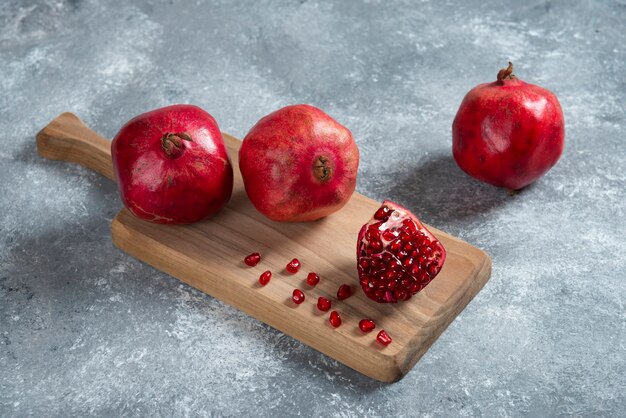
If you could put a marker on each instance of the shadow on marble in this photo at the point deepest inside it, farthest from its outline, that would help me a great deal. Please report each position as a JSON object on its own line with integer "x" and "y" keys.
{"x": 443, "y": 193}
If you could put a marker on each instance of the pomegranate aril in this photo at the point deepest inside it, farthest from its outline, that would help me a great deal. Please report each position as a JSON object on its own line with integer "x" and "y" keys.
{"x": 395, "y": 245}
{"x": 367, "y": 325}
{"x": 407, "y": 262}
{"x": 252, "y": 259}
{"x": 383, "y": 338}
{"x": 312, "y": 279}
{"x": 382, "y": 213}
{"x": 399, "y": 294}
{"x": 364, "y": 263}
{"x": 323, "y": 304}
{"x": 390, "y": 275}
{"x": 389, "y": 235}
{"x": 265, "y": 277}
{"x": 415, "y": 269}
{"x": 344, "y": 292}
{"x": 376, "y": 245}
{"x": 432, "y": 269}
{"x": 293, "y": 266}
{"x": 334, "y": 319}
{"x": 297, "y": 296}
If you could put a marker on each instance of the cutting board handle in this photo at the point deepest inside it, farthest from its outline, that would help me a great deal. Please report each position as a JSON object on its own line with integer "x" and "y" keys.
{"x": 67, "y": 138}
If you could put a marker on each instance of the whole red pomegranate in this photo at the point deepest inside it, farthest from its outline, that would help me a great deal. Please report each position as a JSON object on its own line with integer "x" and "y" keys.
{"x": 396, "y": 255}
{"x": 171, "y": 165}
{"x": 298, "y": 164}
{"x": 508, "y": 133}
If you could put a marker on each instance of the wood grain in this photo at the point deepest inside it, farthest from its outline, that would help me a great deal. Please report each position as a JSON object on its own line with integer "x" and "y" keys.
{"x": 67, "y": 138}
{"x": 209, "y": 256}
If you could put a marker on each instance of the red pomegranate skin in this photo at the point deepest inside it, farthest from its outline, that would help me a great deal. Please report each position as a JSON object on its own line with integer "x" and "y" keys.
{"x": 175, "y": 180}
{"x": 298, "y": 164}
{"x": 508, "y": 133}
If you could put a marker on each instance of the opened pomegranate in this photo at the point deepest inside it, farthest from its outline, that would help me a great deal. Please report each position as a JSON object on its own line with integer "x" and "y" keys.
{"x": 396, "y": 255}
{"x": 508, "y": 133}
{"x": 171, "y": 165}
{"x": 298, "y": 164}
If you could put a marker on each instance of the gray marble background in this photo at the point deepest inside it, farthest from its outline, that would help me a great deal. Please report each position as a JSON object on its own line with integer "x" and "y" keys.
{"x": 88, "y": 330}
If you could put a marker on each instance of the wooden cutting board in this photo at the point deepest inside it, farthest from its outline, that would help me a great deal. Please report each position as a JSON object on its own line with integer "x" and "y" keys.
{"x": 209, "y": 256}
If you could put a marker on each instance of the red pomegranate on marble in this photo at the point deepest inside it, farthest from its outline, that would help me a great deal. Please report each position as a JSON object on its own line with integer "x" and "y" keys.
{"x": 508, "y": 133}
{"x": 171, "y": 165}
{"x": 298, "y": 164}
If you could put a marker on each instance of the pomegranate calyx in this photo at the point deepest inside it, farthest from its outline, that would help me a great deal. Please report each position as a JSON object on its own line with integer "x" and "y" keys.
{"x": 506, "y": 73}
{"x": 172, "y": 143}
{"x": 322, "y": 169}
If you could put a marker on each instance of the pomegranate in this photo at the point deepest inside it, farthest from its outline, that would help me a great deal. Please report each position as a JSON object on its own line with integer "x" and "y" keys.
{"x": 508, "y": 133}
{"x": 298, "y": 164}
{"x": 323, "y": 304}
{"x": 171, "y": 165}
{"x": 383, "y": 338}
{"x": 366, "y": 325}
{"x": 335, "y": 319}
{"x": 252, "y": 259}
{"x": 396, "y": 255}
{"x": 293, "y": 266}
{"x": 312, "y": 279}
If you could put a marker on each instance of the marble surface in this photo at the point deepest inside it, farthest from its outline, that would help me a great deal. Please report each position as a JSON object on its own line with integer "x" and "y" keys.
{"x": 88, "y": 330}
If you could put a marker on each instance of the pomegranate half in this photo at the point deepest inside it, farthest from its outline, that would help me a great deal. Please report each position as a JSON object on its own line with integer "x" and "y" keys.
{"x": 396, "y": 255}
{"x": 171, "y": 165}
{"x": 298, "y": 164}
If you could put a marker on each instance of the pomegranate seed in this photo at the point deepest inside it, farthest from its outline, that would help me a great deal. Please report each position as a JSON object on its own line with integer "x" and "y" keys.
{"x": 298, "y": 296}
{"x": 382, "y": 213}
{"x": 400, "y": 294}
{"x": 252, "y": 259}
{"x": 294, "y": 266}
{"x": 389, "y": 235}
{"x": 265, "y": 277}
{"x": 390, "y": 275}
{"x": 376, "y": 245}
{"x": 334, "y": 319}
{"x": 383, "y": 338}
{"x": 432, "y": 269}
{"x": 312, "y": 279}
{"x": 367, "y": 325}
{"x": 344, "y": 292}
{"x": 415, "y": 268}
{"x": 323, "y": 304}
